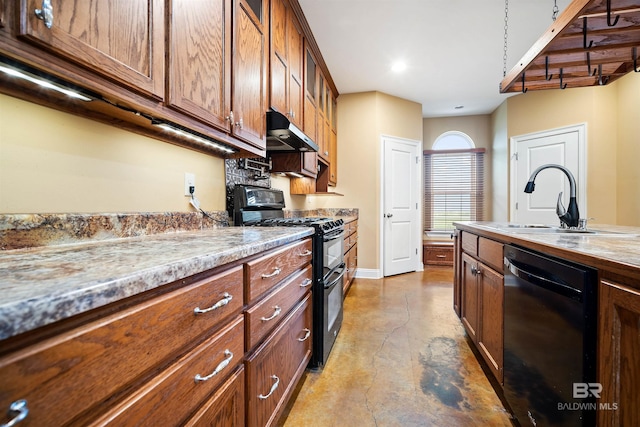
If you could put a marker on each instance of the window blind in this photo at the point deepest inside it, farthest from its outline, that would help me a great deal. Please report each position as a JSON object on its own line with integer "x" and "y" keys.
{"x": 453, "y": 186}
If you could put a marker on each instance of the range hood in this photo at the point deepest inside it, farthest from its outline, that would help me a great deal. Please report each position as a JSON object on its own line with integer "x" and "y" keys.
{"x": 284, "y": 136}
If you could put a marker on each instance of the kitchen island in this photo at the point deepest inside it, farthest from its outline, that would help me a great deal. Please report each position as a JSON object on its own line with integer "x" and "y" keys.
{"x": 613, "y": 252}
{"x": 163, "y": 329}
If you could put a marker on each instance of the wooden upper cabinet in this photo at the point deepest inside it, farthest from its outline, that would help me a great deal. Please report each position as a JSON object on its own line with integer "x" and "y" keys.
{"x": 199, "y": 60}
{"x": 333, "y": 158}
{"x": 248, "y": 95}
{"x": 279, "y": 86}
{"x": 310, "y": 93}
{"x": 122, "y": 40}
{"x": 334, "y": 113}
{"x": 287, "y": 42}
{"x": 296, "y": 51}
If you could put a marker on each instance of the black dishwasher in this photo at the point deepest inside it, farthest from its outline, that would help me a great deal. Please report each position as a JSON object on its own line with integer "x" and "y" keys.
{"x": 550, "y": 308}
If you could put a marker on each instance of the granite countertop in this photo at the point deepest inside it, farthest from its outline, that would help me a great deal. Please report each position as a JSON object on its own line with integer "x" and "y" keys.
{"x": 42, "y": 285}
{"x": 619, "y": 252}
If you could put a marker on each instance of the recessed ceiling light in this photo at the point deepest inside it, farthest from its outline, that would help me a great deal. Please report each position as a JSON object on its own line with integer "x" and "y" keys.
{"x": 459, "y": 107}
{"x": 398, "y": 67}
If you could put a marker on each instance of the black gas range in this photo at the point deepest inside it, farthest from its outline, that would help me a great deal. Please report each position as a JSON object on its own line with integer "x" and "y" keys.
{"x": 257, "y": 206}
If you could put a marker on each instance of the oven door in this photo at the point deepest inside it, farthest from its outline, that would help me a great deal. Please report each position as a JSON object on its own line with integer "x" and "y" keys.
{"x": 332, "y": 251}
{"x": 332, "y": 312}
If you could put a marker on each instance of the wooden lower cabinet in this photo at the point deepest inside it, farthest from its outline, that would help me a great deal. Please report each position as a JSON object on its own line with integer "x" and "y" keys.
{"x": 490, "y": 339}
{"x": 437, "y": 253}
{"x": 174, "y": 355}
{"x": 350, "y": 254}
{"x": 225, "y": 407}
{"x": 470, "y": 309}
{"x": 618, "y": 361}
{"x": 72, "y": 377}
{"x": 457, "y": 262}
{"x": 482, "y": 307}
{"x": 275, "y": 367}
{"x": 176, "y": 392}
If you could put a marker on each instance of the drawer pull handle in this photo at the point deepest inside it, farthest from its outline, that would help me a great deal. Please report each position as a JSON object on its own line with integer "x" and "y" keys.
{"x": 276, "y": 271}
{"x": 275, "y": 314}
{"x": 307, "y": 333}
{"x": 224, "y": 301}
{"x": 273, "y": 388}
{"x": 45, "y": 14}
{"x": 19, "y": 406}
{"x": 441, "y": 256}
{"x": 305, "y": 253}
{"x": 305, "y": 283}
{"x": 220, "y": 367}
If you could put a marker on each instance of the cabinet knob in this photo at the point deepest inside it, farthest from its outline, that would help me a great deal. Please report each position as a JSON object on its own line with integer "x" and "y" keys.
{"x": 475, "y": 270}
{"x": 239, "y": 123}
{"x": 326, "y": 153}
{"x": 46, "y": 13}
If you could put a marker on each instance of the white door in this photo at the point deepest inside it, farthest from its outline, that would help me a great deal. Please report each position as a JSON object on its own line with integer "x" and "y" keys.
{"x": 565, "y": 147}
{"x": 401, "y": 200}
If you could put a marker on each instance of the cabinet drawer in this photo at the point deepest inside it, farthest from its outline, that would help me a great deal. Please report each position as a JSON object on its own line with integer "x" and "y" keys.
{"x": 438, "y": 255}
{"x": 264, "y": 273}
{"x": 469, "y": 243}
{"x": 265, "y": 315}
{"x": 274, "y": 369}
{"x": 226, "y": 406}
{"x": 175, "y": 393}
{"x": 66, "y": 375}
{"x": 350, "y": 228}
{"x": 491, "y": 252}
{"x": 350, "y": 241}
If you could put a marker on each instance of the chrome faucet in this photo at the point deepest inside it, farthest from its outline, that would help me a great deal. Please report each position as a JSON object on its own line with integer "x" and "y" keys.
{"x": 570, "y": 217}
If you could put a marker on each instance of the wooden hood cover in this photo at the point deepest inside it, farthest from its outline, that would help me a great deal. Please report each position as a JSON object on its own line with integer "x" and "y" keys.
{"x": 592, "y": 42}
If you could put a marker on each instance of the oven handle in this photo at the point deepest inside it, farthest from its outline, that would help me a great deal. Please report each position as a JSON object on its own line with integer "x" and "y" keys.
{"x": 332, "y": 284}
{"x": 332, "y": 235}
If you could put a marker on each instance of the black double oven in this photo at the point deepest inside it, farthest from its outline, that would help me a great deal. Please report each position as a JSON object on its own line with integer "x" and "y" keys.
{"x": 257, "y": 206}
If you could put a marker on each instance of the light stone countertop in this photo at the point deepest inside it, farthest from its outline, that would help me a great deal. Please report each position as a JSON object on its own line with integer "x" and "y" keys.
{"x": 618, "y": 253}
{"x": 42, "y": 285}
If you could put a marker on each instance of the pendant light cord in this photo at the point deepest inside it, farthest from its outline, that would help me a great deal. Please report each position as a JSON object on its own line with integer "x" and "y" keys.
{"x": 506, "y": 28}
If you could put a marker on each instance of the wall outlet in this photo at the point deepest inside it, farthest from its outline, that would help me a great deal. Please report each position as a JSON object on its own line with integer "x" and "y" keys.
{"x": 189, "y": 181}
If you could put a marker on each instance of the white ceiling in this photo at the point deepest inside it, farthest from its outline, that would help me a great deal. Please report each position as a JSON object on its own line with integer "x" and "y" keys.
{"x": 453, "y": 48}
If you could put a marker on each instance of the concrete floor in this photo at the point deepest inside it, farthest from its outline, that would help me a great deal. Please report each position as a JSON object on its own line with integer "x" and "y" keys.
{"x": 401, "y": 359}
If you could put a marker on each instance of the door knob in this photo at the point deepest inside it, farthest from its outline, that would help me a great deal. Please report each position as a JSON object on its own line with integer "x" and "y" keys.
{"x": 388, "y": 215}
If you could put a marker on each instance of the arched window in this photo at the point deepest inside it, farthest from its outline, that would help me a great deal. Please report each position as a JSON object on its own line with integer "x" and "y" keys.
{"x": 453, "y": 140}
{"x": 453, "y": 182}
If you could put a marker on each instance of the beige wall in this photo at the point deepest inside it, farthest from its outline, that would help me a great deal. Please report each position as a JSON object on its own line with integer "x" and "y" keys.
{"x": 478, "y": 128}
{"x": 499, "y": 164}
{"x": 56, "y": 162}
{"x": 362, "y": 119}
{"x": 628, "y": 162}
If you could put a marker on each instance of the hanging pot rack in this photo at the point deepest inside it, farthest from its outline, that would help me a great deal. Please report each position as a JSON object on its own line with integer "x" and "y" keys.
{"x": 591, "y": 43}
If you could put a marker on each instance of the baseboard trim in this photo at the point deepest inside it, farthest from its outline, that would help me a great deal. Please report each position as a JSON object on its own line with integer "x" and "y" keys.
{"x": 368, "y": 273}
